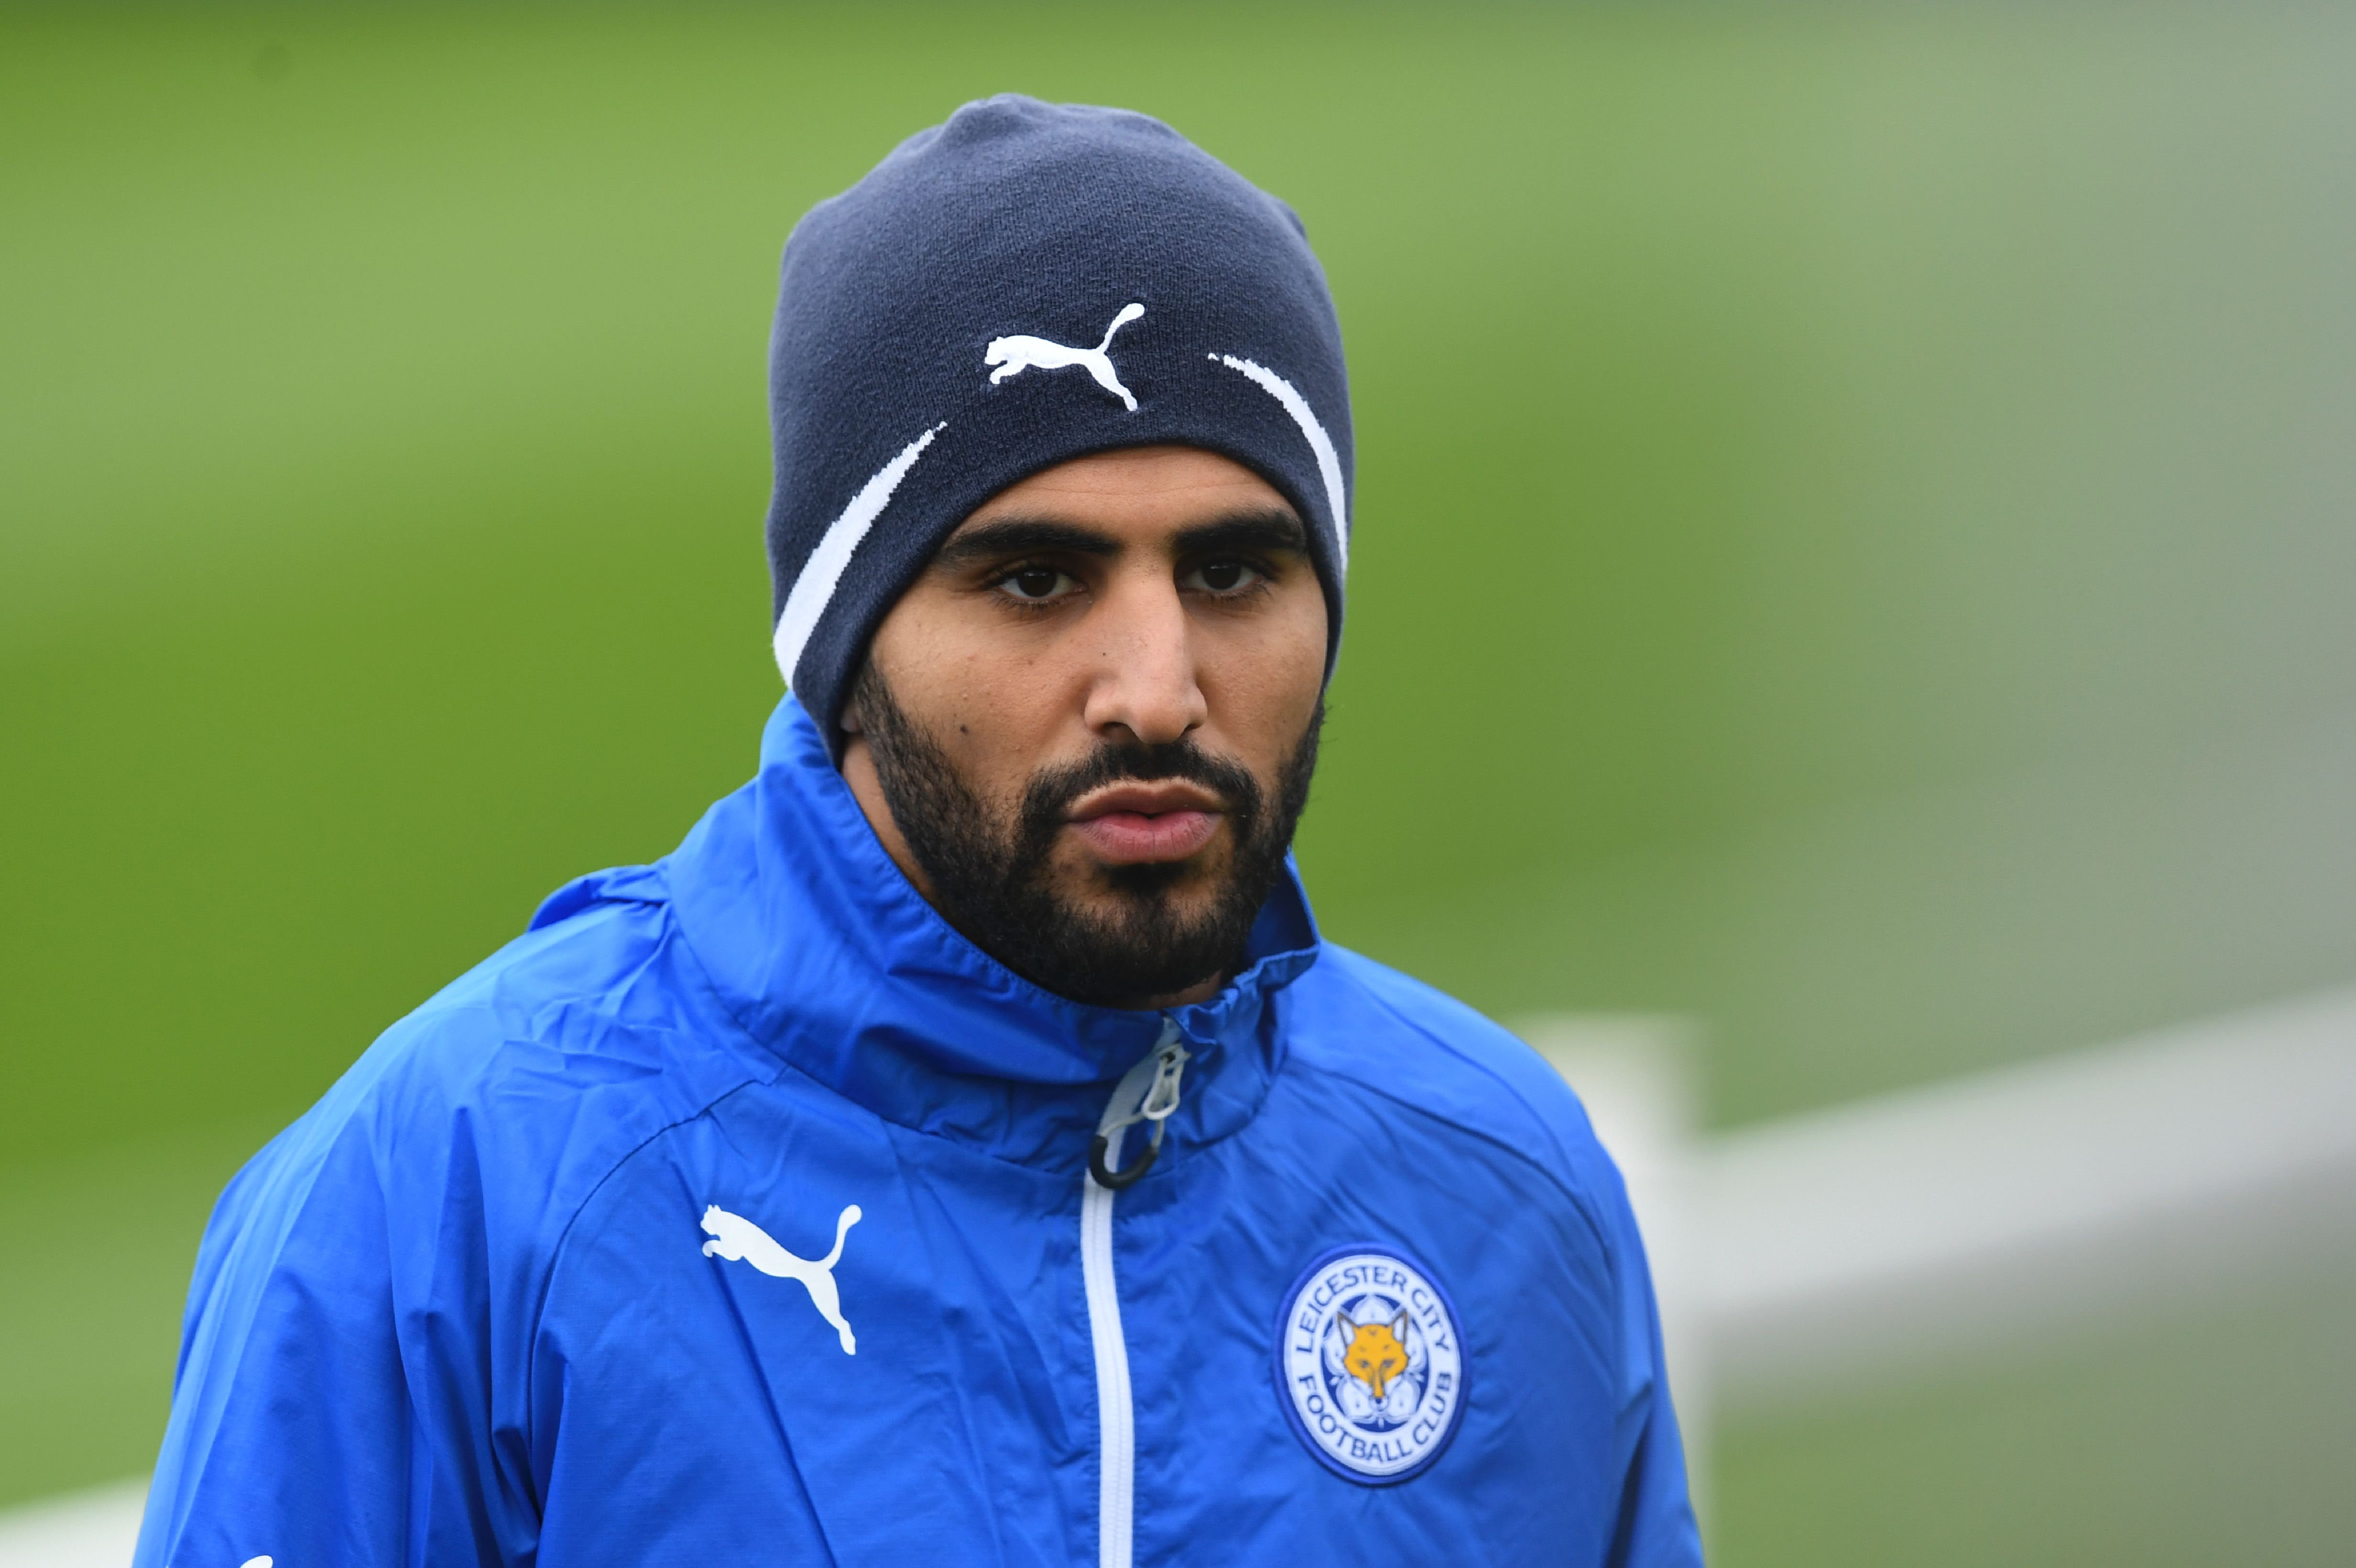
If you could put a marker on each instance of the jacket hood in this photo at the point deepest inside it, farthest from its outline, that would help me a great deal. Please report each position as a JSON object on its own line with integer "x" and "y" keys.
{"x": 820, "y": 949}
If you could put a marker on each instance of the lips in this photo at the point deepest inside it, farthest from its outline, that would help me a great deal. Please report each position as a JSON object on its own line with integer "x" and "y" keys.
{"x": 1141, "y": 824}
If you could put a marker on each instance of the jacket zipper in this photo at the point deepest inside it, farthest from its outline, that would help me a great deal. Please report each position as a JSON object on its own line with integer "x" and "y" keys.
{"x": 1147, "y": 1092}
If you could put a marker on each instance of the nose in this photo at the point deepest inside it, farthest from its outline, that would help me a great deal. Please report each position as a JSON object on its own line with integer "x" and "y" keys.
{"x": 1146, "y": 681}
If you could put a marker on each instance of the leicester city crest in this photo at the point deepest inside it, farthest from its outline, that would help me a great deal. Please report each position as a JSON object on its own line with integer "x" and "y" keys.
{"x": 1369, "y": 1363}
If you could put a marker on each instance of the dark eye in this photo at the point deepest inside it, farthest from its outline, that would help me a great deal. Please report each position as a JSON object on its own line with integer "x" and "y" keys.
{"x": 1034, "y": 584}
{"x": 1223, "y": 576}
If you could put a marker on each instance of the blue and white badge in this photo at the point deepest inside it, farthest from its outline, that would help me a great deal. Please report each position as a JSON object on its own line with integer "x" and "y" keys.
{"x": 1369, "y": 1364}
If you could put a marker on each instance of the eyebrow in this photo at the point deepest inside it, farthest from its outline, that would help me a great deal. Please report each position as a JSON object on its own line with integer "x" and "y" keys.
{"x": 1023, "y": 535}
{"x": 1271, "y": 529}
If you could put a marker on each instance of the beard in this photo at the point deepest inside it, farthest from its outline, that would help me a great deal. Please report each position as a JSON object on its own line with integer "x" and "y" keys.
{"x": 1156, "y": 930}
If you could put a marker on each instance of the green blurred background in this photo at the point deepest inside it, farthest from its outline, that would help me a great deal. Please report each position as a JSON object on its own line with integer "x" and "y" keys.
{"x": 1855, "y": 547}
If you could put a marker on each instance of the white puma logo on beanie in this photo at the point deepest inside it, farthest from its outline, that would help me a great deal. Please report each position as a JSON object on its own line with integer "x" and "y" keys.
{"x": 1012, "y": 355}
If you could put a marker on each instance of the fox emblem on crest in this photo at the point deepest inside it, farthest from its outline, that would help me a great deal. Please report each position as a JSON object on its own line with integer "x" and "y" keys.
{"x": 1377, "y": 1366}
{"x": 1376, "y": 1352}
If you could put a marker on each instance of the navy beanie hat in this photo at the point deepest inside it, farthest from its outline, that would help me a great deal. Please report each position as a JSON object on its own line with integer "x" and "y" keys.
{"x": 1028, "y": 284}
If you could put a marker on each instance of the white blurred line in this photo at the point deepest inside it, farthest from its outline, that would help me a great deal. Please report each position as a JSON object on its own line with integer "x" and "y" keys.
{"x": 1919, "y": 1224}
{"x": 1936, "y": 1177}
{"x": 96, "y": 1529}
{"x": 1891, "y": 1234}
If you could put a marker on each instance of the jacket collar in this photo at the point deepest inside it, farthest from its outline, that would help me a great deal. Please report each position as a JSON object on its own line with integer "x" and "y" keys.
{"x": 822, "y": 950}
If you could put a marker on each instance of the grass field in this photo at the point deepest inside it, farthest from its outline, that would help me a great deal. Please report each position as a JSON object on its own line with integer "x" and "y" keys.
{"x": 1853, "y": 546}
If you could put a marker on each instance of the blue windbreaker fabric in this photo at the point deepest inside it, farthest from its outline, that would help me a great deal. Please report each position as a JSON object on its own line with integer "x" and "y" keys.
{"x": 464, "y": 1312}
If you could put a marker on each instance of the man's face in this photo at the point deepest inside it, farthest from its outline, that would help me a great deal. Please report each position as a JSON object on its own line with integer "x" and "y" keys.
{"x": 1085, "y": 732}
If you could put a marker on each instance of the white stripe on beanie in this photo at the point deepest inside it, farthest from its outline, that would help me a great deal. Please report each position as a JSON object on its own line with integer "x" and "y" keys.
{"x": 1329, "y": 462}
{"x": 814, "y": 588}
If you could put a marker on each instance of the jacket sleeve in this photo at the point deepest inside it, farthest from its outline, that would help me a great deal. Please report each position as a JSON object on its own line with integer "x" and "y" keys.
{"x": 1657, "y": 1527}
{"x": 332, "y": 1402}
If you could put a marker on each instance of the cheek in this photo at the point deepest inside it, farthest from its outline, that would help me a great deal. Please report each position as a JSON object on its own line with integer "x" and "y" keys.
{"x": 996, "y": 723}
{"x": 995, "y": 710}
{"x": 1268, "y": 680}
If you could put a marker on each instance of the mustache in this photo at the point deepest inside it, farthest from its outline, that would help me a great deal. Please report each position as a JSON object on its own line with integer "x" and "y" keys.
{"x": 1051, "y": 791}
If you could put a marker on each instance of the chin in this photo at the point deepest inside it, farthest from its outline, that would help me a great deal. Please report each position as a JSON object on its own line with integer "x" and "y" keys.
{"x": 1194, "y": 881}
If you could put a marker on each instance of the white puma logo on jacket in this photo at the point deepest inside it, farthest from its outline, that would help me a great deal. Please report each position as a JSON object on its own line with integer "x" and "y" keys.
{"x": 1011, "y": 354}
{"x": 738, "y": 1239}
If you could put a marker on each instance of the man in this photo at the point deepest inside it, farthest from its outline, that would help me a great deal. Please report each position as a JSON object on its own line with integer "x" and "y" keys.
{"x": 962, "y": 1149}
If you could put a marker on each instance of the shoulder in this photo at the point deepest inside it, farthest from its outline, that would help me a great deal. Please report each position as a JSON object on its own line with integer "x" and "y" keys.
{"x": 1393, "y": 1036}
{"x": 596, "y": 1023}
{"x": 504, "y": 1100}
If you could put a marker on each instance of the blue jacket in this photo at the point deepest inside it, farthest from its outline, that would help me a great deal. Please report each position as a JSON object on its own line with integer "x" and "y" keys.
{"x": 740, "y": 1213}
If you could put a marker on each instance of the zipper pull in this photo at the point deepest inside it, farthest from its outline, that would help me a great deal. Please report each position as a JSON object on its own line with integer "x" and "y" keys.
{"x": 1157, "y": 1098}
